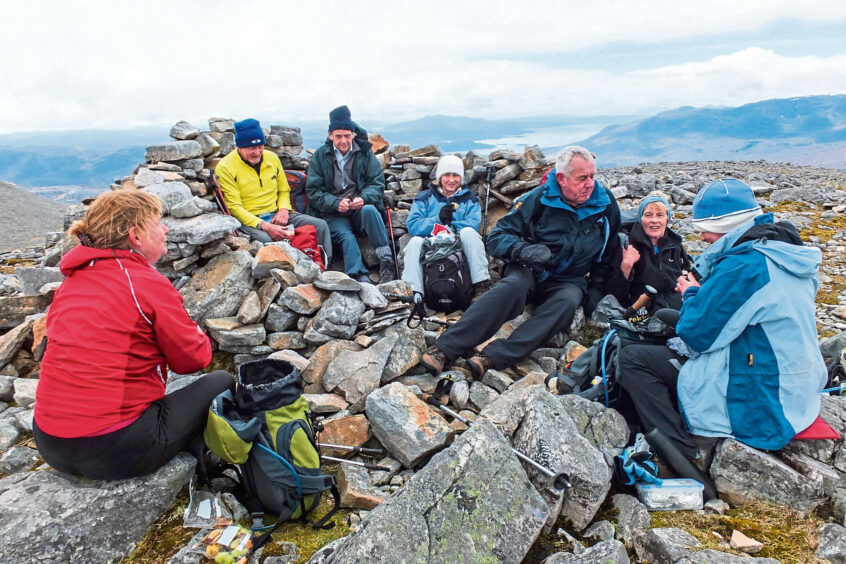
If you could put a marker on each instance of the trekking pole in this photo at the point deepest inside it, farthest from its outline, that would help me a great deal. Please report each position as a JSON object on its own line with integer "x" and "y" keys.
{"x": 393, "y": 242}
{"x": 355, "y": 463}
{"x": 489, "y": 168}
{"x": 353, "y": 449}
{"x": 559, "y": 481}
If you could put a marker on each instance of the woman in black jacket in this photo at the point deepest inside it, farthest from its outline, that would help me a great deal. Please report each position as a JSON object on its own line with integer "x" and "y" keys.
{"x": 654, "y": 256}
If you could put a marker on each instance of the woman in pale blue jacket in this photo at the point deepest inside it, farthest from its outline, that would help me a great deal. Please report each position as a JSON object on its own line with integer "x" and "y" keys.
{"x": 754, "y": 370}
{"x": 446, "y": 202}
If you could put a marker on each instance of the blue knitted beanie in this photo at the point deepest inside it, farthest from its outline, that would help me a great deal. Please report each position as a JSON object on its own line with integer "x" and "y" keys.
{"x": 248, "y": 133}
{"x": 652, "y": 199}
{"x": 340, "y": 118}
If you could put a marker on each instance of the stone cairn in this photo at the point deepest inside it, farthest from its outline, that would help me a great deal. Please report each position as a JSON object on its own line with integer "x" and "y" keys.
{"x": 360, "y": 363}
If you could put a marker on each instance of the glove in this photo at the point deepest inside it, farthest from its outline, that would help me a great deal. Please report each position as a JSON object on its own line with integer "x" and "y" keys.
{"x": 532, "y": 254}
{"x": 445, "y": 215}
{"x": 631, "y": 467}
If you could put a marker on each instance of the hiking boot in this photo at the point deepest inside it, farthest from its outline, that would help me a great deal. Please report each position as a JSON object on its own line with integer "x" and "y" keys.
{"x": 478, "y": 365}
{"x": 387, "y": 271}
{"x": 480, "y": 288}
{"x": 434, "y": 360}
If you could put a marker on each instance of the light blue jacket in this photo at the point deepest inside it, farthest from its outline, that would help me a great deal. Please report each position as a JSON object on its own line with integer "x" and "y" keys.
{"x": 760, "y": 373}
{"x": 428, "y": 203}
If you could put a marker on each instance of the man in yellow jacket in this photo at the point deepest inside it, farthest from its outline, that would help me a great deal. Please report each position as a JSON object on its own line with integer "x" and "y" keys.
{"x": 257, "y": 192}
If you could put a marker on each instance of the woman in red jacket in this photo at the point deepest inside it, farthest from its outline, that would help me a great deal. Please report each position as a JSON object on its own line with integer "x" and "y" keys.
{"x": 115, "y": 326}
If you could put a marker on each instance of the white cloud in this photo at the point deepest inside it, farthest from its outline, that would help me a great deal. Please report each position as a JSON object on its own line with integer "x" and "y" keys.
{"x": 116, "y": 64}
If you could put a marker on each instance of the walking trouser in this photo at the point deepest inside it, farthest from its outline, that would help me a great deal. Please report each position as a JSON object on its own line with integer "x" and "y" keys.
{"x": 649, "y": 377}
{"x": 165, "y": 428}
{"x": 556, "y": 305}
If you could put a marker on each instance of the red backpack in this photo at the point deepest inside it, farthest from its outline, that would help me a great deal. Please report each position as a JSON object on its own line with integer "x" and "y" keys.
{"x": 305, "y": 239}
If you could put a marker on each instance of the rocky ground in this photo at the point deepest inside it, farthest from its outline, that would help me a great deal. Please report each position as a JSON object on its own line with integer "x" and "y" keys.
{"x": 452, "y": 494}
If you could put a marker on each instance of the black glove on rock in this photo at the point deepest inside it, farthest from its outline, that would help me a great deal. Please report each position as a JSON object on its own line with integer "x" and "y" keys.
{"x": 531, "y": 254}
{"x": 445, "y": 215}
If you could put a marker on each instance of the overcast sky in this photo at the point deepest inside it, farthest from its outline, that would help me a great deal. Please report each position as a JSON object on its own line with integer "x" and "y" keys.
{"x": 116, "y": 64}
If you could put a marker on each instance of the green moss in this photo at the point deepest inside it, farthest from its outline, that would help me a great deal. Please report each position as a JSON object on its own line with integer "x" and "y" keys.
{"x": 308, "y": 539}
{"x": 787, "y": 535}
{"x": 221, "y": 360}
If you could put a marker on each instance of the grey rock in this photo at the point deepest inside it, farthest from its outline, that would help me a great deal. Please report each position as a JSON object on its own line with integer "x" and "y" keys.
{"x": 357, "y": 373}
{"x": 607, "y": 552}
{"x": 481, "y": 395}
{"x": 187, "y": 208}
{"x": 201, "y": 229}
{"x": 664, "y": 544}
{"x": 267, "y": 292}
{"x": 280, "y": 318}
{"x": 32, "y": 278}
{"x": 247, "y": 335}
{"x": 742, "y": 474}
{"x": 174, "y": 151}
{"x": 336, "y": 281}
{"x": 146, "y": 177}
{"x": 12, "y": 341}
{"x": 497, "y": 380}
{"x": 286, "y": 340}
{"x": 475, "y": 485}
{"x": 35, "y": 509}
{"x": 409, "y": 349}
{"x": 219, "y": 287}
{"x": 307, "y": 271}
{"x": 171, "y": 194}
{"x": 217, "y": 124}
{"x": 9, "y": 435}
{"x": 339, "y": 315}
{"x": 184, "y": 130}
{"x": 15, "y": 309}
{"x": 507, "y": 411}
{"x": 357, "y": 487}
{"x": 710, "y": 556}
{"x": 7, "y": 386}
{"x": 832, "y": 545}
{"x": 372, "y": 297}
{"x": 549, "y": 436}
{"x": 459, "y": 394}
{"x": 226, "y": 140}
{"x": 404, "y": 425}
{"x": 208, "y": 145}
{"x": 250, "y": 310}
{"x": 24, "y": 420}
{"x": 605, "y": 428}
{"x": 25, "y": 391}
{"x": 600, "y": 531}
{"x": 632, "y": 517}
{"x": 18, "y": 459}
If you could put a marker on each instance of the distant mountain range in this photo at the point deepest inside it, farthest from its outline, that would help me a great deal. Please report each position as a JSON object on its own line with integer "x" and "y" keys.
{"x": 68, "y": 165}
{"x": 809, "y": 130}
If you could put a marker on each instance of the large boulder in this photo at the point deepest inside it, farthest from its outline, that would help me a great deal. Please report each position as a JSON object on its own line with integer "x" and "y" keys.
{"x": 743, "y": 474}
{"x": 48, "y": 516}
{"x": 405, "y": 425}
{"x": 549, "y": 436}
{"x": 355, "y": 374}
{"x": 201, "y": 229}
{"x": 174, "y": 151}
{"x": 218, "y": 288}
{"x": 471, "y": 503}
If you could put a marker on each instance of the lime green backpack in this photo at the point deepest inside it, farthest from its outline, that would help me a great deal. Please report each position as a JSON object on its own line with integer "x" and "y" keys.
{"x": 267, "y": 430}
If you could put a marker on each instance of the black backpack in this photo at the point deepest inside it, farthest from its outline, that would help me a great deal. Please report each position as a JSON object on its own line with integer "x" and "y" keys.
{"x": 446, "y": 275}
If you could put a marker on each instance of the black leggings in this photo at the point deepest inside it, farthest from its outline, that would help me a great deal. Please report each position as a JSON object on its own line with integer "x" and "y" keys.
{"x": 165, "y": 428}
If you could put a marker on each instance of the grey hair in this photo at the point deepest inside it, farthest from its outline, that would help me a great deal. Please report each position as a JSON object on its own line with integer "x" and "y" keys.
{"x": 565, "y": 158}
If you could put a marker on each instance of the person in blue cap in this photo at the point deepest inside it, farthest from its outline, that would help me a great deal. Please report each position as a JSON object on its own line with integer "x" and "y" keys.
{"x": 746, "y": 362}
{"x": 257, "y": 192}
{"x": 346, "y": 187}
{"x": 653, "y": 254}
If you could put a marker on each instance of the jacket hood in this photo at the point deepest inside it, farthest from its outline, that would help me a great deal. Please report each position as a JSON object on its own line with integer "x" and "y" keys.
{"x": 777, "y": 241}
{"x": 80, "y": 256}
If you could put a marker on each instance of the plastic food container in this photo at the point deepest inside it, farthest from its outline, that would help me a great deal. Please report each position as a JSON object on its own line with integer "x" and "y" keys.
{"x": 678, "y": 493}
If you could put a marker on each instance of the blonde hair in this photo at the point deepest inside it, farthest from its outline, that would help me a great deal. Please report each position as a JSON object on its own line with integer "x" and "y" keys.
{"x": 108, "y": 220}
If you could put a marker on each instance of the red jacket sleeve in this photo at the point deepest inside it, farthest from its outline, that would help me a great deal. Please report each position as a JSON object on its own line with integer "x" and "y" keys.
{"x": 185, "y": 347}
